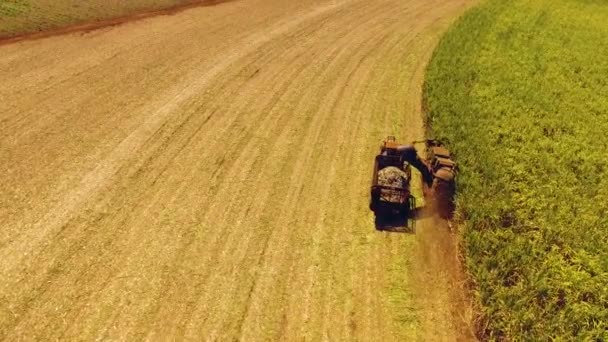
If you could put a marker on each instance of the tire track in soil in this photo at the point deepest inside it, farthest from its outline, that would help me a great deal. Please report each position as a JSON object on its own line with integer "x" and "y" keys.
{"x": 280, "y": 138}
{"x": 236, "y": 207}
{"x": 338, "y": 89}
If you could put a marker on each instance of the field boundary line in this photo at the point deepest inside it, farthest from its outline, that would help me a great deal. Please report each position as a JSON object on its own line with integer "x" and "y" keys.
{"x": 92, "y": 25}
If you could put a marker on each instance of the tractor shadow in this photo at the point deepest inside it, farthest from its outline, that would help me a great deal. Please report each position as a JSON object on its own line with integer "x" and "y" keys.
{"x": 402, "y": 224}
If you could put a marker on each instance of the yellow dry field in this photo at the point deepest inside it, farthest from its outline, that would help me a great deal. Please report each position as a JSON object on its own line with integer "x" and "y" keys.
{"x": 206, "y": 176}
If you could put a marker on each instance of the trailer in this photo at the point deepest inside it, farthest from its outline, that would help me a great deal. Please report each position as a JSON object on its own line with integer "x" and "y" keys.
{"x": 391, "y": 200}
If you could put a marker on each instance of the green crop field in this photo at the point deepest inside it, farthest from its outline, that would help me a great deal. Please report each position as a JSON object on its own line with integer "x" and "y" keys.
{"x": 519, "y": 89}
{"x": 27, "y": 16}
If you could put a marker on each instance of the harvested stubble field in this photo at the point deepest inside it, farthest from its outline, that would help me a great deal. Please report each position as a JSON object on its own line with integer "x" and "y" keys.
{"x": 206, "y": 176}
{"x": 520, "y": 89}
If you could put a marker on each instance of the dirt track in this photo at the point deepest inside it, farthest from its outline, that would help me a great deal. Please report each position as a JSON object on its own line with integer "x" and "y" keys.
{"x": 206, "y": 174}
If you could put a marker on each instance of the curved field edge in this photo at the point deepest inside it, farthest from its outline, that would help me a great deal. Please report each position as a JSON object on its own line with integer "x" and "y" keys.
{"x": 519, "y": 91}
{"x": 41, "y": 18}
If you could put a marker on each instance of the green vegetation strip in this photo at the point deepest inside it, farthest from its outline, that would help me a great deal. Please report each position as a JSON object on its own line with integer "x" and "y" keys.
{"x": 519, "y": 89}
{"x": 13, "y": 8}
{"x": 23, "y": 17}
